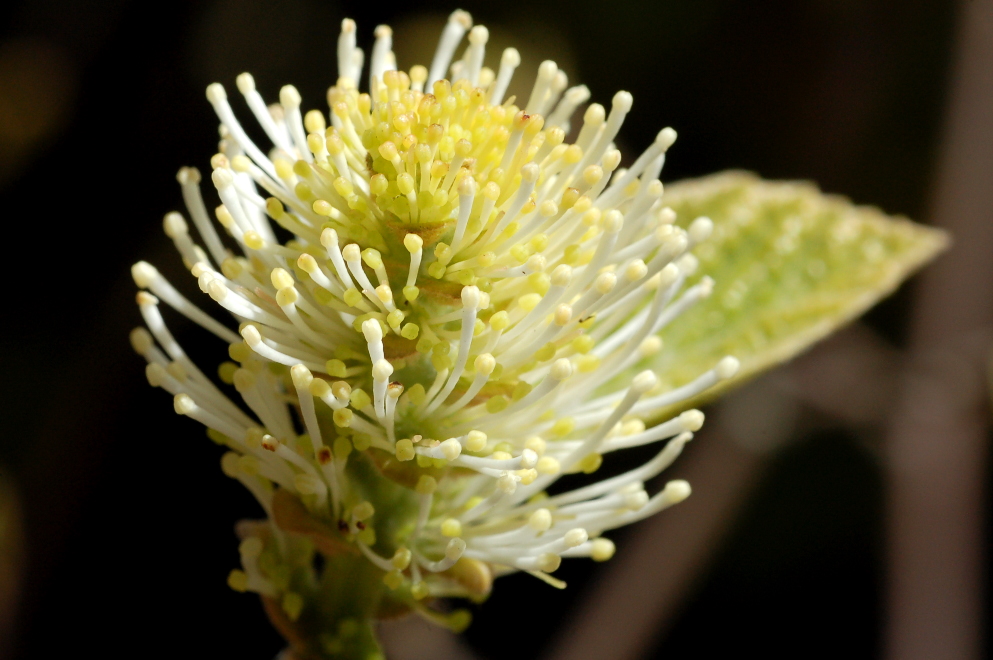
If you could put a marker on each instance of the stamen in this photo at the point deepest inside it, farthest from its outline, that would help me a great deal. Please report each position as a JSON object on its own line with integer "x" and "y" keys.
{"x": 458, "y": 22}
{"x": 470, "y": 306}
{"x": 509, "y": 61}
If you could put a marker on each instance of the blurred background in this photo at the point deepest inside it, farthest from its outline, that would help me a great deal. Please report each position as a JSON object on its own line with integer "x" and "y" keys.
{"x": 839, "y": 502}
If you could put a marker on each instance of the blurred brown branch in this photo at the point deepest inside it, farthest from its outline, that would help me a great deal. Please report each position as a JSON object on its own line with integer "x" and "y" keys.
{"x": 937, "y": 439}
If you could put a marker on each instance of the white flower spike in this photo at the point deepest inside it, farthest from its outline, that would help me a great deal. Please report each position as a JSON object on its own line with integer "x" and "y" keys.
{"x": 447, "y": 332}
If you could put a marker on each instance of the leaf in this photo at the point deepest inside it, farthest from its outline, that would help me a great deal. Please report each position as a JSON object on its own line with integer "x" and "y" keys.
{"x": 790, "y": 265}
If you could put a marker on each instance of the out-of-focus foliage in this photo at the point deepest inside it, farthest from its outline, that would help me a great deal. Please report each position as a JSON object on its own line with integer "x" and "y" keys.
{"x": 790, "y": 265}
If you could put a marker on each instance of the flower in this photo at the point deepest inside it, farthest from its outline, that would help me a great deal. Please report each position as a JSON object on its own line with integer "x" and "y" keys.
{"x": 456, "y": 321}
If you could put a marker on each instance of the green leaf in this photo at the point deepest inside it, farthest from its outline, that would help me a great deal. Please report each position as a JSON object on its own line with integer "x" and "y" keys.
{"x": 790, "y": 265}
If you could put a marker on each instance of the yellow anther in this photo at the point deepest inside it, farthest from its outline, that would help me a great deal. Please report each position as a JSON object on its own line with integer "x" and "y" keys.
{"x": 529, "y": 301}
{"x": 352, "y": 297}
{"x": 393, "y": 579}
{"x": 426, "y": 484}
{"x": 341, "y": 390}
{"x": 535, "y": 444}
{"x": 587, "y": 363}
{"x": 401, "y": 558}
{"x": 590, "y": 463}
{"x": 527, "y": 476}
{"x": 287, "y": 296}
{"x": 253, "y": 241}
{"x": 416, "y": 394}
{"x": 475, "y": 441}
{"x": 359, "y": 399}
{"x": 314, "y": 122}
{"x": 322, "y": 208}
{"x": 363, "y": 510}
{"x": 500, "y": 321}
{"x": 405, "y": 183}
{"x": 238, "y": 580}
{"x": 419, "y": 591}
{"x": 378, "y": 184}
{"x": 342, "y": 447}
{"x": 563, "y": 426}
{"x": 404, "y": 450}
{"x": 451, "y": 528}
{"x": 602, "y": 549}
{"x": 413, "y": 242}
{"x": 343, "y": 417}
{"x": 368, "y": 536}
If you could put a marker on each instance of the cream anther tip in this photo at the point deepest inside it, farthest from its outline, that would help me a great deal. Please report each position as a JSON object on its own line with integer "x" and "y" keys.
{"x": 251, "y": 335}
{"x": 352, "y": 252}
{"x": 691, "y": 420}
{"x": 222, "y": 178}
{"x": 329, "y": 237}
{"x": 174, "y": 224}
{"x": 485, "y": 364}
{"x": 528, "y": 459}
{"x": 700, "y": 229}
{"x": 183, "y": 404}
{"x": 549, "y": 562}
{"x": 188, "y": 175}
{"x": 540, "y": 520}
{"x": 467, "y": 186}
{"x": 727, "y": 367}
{"x": 145, "y": 298}
{"x": 155, "y": 374}
{"x": 460, "y": 17}
{"x": 562, "y": 275}
{"x": 676, "y": 491}
{"x": 141, "y": 340}
{"x": 578, "y": 94}
{"x": 510, "y": 57}
{"x": 479, "y": 35}
{"x": 706, "y": 286}
{"x": 547, "y": 69}
{"x": 245, "y": 82}
{"x": 644, "y": 382}
{"x": 530, "y": 172}
{"x": 668, "y": 275}
{"x": 561, "y": 369}
{"x": 382, "y": 370}
{"x": 576, "y": 537}
{"x": 602, "y": 549}
{"x": 605, "y": 282}
{"x": 216, "y": 93}
{"x": 372, "y": 330}
{"x": 451, "y": 448}
{"x": 470, "y": 297}
{"x": 144, "y": 274}
{"x": 382, "y": 31}
{"x": 301, "y": 376}
{"x": 289, "y": 96}
{"x": 666, "y": 138}
{"x": 613, "y": 220}
{"x": 636, "y": 500}
{"x": 623, "y": 101}
{"x": 595, "y": 114}
{"x": 216, "y": 290}
{"x": 347, "y": 25}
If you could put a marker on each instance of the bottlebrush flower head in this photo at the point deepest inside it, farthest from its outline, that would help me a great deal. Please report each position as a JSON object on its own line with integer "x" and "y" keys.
{"x": 441, "y": 306}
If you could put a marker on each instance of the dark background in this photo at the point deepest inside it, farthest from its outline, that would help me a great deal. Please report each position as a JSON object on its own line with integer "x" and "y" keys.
{"x": 127, "y": 519}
